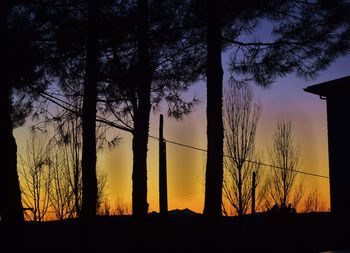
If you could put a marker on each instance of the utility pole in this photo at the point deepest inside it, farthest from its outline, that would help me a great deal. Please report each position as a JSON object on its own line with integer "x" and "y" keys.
{"x": 163, "y": 189}
{"x": 253, "y": 192}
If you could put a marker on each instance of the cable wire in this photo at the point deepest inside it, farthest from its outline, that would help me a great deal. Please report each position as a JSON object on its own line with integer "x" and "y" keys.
{"x": 249, "y": 161}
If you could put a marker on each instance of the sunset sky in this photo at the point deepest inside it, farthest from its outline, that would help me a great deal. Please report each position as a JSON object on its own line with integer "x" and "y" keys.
{"x": 285, "y": 98}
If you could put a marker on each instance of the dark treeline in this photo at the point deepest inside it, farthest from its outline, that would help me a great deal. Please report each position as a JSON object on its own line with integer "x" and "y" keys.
{"x": 123, "y": 58}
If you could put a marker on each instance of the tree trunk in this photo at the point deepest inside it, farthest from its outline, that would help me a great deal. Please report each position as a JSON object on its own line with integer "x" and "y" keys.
{"x": 11, "y": 210}
{"x": 141, "y": 115}
{"x": 10, "y": 194}
{"x": 139, "y": 174}
{"x": 89, "y": 179}
{"x": 214, "y": 169}
{"x": 75, "y": 149}
{"x": 76, "y": 187}
{"x": 240, "y": 206}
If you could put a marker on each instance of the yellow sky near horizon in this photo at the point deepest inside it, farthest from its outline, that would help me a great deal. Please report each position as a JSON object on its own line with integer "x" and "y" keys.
{"x": 186, "y": 166}
{"x": 285, "y": 98}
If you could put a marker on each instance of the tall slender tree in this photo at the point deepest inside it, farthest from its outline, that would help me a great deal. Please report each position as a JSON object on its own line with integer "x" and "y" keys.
{"x": 21, "y": 68}
{"x": 214, "y": 167}
{"x": 285, "y": 156}
{"x": 89, "y": 178}
{"x": 10, "y": 202}
{"x": 241, "y": 116}
{"x": 169, "y": 71}
{"x": 36, "y": 176}
{"x": 142, "y": 112}
{"x": 305, "y": 37}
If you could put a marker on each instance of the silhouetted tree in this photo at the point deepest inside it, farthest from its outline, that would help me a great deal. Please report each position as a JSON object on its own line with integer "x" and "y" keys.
{"x": 214, "y": 166}
{"x": 284, "y": 154}
{"x": 241, "y": 117}
{"x": 65, "y": 158}
{"x": 170, "y": 69}
{"x": 142, "y": 112}
{"x": 102, "y": 187}
{"x": 21, "y": 68}
{"x": 89, "y": 178}
{"x": 121, "y": 208}
{"x": 70, "y": 141}
{"x": 76, "y": 54}
{"x": 48, "y": 175}
{"x": 62, "y": 194}
{"x": 36, "y": 175}
{"x": 305, "y": 37}
{"x": 66, "y": 197}
{"x": 313, "y": 202}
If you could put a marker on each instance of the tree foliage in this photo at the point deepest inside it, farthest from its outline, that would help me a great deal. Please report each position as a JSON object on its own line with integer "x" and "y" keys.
{"x": 300, "y": 36}
{"x": 21, "y": 64}
{"x": 125, "y": 58}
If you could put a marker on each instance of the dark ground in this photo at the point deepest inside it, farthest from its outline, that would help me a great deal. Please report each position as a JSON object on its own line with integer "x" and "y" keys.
{"x": 181, "y": 232}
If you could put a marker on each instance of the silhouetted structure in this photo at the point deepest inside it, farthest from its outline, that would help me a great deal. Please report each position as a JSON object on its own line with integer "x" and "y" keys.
{"x": 163, "y": 189}
{"x": 253, "y": 192}
{"x": 336, "y": 93}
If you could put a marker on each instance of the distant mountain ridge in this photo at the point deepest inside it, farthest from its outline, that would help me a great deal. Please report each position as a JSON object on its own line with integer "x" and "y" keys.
{"x": 178, "y": 212}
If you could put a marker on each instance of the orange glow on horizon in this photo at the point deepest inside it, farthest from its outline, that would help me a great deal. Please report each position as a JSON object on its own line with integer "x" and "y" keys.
{"x": 186, "y": 167}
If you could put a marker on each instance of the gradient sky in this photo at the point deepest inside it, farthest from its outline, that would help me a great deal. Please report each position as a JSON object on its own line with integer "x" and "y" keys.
{"x": 285, "y": 98}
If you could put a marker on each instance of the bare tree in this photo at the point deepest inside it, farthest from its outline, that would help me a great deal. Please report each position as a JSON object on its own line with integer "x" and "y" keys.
{"x": 65, "y": 158}
{"x": 241, "y": 117}
{"x": 313, "y": 202}
{"x": 122, "y": 208}
{"x": 67, "y": 193}
{"x": 284, "y": 188}
{"x": 66, "y": 166}
{"x": 62, "y": 193}
{"x": 36, "y": 177}
{"x": 63, "y": 161}
{"x": 102, "y": 186}
{"x": 70, "y": 143}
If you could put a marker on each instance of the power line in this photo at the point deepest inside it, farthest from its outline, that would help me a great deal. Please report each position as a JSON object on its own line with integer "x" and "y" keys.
{"x": 67, "y": 106}
{"x": 249, "y": 161}
{"x": 127, "y": 129}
